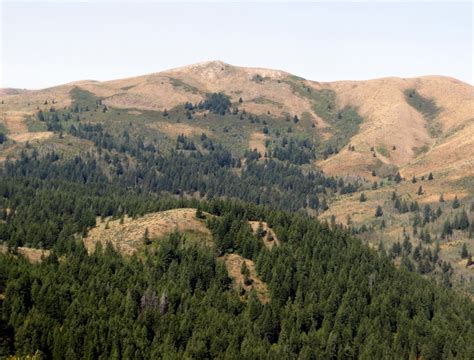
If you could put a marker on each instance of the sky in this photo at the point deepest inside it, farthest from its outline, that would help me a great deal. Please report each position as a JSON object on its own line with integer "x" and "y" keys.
{"x": 50, "y": 43}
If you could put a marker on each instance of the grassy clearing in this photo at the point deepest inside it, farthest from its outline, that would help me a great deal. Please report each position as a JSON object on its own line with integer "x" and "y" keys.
{"x": 233, "y": 263}
{"x": 128, "y": 235}
{"x": 269, "y": 237}
{"x": 35, "y": 126}
{"x": 383, "y": 151}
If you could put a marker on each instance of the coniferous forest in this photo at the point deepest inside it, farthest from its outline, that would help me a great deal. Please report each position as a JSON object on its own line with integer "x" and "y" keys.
{"x": 330, "y": 296}
{"x": 158, "y": 204}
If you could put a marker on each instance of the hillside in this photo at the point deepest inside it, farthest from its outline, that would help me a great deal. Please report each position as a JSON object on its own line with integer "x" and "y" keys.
{"x": 180, "y": 301}
{"x": 323, "y": 208}
{"x": 215, "y": 114}
{"x": 360, "y": 131}
{"x": 388, "y": 119}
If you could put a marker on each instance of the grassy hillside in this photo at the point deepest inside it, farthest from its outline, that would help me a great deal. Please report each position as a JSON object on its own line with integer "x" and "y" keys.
{"x": 213, "y": 130}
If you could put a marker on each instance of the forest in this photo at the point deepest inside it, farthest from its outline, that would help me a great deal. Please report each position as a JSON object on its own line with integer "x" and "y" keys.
{"x": 330, "y": 295}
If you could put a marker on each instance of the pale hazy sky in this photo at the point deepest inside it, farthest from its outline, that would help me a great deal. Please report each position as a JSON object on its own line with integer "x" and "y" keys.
{"x": 50, "y": 43}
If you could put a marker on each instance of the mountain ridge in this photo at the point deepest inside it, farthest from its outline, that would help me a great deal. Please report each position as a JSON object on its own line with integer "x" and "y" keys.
{"x": 389, "y": 122}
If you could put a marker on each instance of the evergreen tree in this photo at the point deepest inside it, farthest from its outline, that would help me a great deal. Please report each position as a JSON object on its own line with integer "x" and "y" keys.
{"x": 456, "y": 204}
{"x": 378, "y": 211}
{"x": 398, "y": 177}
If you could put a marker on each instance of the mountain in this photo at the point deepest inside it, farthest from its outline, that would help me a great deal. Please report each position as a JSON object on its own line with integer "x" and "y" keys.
{"x": 365, "y": 133}
{"x": 216, "y": 211}
{"x": 389, "y": 121}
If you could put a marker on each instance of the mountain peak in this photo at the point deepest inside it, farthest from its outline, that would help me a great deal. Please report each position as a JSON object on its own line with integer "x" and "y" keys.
{"x": 213, "y": 65}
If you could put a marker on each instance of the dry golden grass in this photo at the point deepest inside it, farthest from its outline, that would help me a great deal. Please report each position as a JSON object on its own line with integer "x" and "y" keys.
{"x": 257, "y": 141}
{"x": 453, "y": 156}
{"x": 170, "y": 88}
{"x": 389, "y": 120}
{"x": 30, "y": 101}
{"x": 14, "y": 121}
{"x": 30, "y": 136}
{"x": 129, "y": 236}
{"x": 360, "y": 212}
{"x": 233, "y": 263}
{"x": 173, "y": 130}
{"x": 31, "y": 254}
{"x": 269, "y": 244}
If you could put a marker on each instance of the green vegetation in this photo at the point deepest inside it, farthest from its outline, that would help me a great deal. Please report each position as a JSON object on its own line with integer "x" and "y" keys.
{"x": 427, "y": 107}
{"x": 83, "y": 99}
{"x": 383, "y": 151}
{"x": 259, "y": 78}
{"x": 421, "y": 150}
{"x": 179, "y": 83}
{"x": 3, "y": 129}
{"x": 218, "y": 103}
{"x": 34, "y": 125}
{"x": 294, "y": 151}
{"x": 330, "y": 296}
{"x": 344, "y": 122}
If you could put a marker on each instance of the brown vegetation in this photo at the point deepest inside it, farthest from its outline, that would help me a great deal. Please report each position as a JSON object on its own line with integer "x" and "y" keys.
{"x": 233, "y": 263}
{"x": 128, "y": 237}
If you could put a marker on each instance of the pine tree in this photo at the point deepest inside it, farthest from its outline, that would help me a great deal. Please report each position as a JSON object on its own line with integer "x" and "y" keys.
{"x": 378, "y": 211}
{"x": 362, "y": 197}
{"x": 447, "y": 229}
{"x": 456, "y": 203}
{"x": 464, "y": 252}
{"x": 146, "y": 237}
{"x": 199, "y": 213}
{"x": 398, "y": 177}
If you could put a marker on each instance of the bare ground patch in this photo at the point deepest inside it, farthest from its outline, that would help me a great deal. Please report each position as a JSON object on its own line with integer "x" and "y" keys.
{"x": 233, "y": 263}
{"x": 257, "y": 141}
{"x": 30, "y": 136}
{"x": 129, "y": 236}
{"x": 270, "y": 239}
{"x": 174, "y": 130}
{"x": 14, "y": 121}
{"x": 31, "y": 254}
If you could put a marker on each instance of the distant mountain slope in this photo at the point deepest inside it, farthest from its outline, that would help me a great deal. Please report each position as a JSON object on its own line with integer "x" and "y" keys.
{"x": 390, "y": 121}
{"x": 393, "y": 131}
